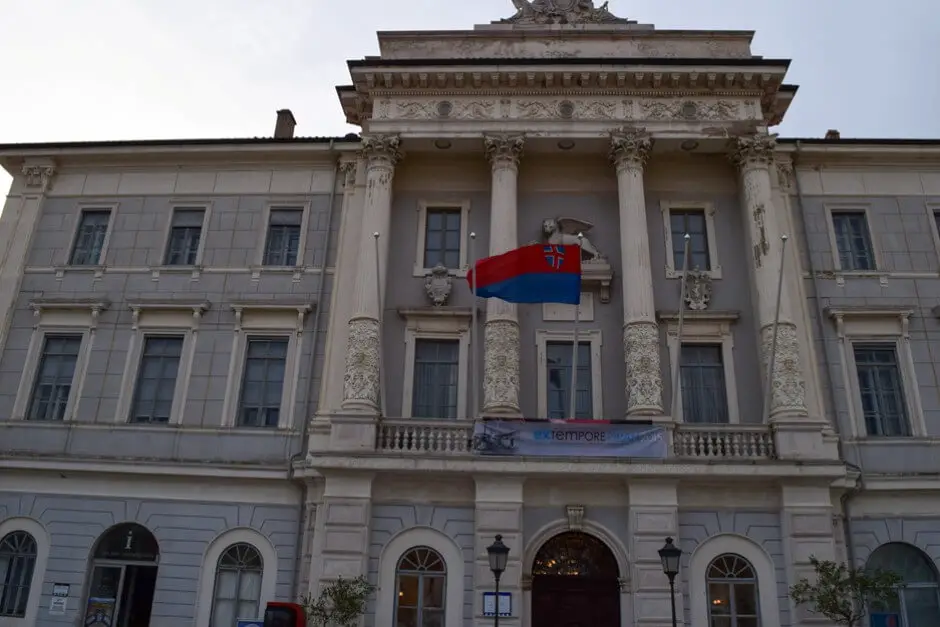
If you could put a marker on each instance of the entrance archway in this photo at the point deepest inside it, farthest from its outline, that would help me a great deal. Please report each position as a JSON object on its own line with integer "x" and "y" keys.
{"x": 575, "y": 583}
{"x": 123, "y": 578}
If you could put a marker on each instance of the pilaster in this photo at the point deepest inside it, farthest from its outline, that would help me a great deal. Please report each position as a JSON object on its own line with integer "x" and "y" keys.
{"x": 654, "y": 516}
{"x": 501, "y": 332}
{"x": 754, "y": 157}
{"x": 17, "y": 224}
{"x": 341, "y": 531}
{"x": 498, "y": 511}
{"x": 361, "y": 382}
{"x": 629, "y": 151}
{"x": 807, "y": 529}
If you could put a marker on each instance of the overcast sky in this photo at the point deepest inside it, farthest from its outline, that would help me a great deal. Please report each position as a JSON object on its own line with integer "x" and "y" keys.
{"x": 132, "y": 69}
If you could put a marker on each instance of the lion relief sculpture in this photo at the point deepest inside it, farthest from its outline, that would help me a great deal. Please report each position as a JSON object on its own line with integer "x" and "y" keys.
{"x": 564, "y": 232}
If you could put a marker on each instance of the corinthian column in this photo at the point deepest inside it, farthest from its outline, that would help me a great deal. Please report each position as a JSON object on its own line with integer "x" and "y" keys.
{"x": 362, "y": 381}
{"x": 629, "y": 151}
{"x": 501, "y": 334}
{"x": 754, "y": 157}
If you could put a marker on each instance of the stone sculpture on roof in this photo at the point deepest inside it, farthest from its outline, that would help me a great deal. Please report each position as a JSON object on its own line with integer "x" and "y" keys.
{"x": 561, "y": 12}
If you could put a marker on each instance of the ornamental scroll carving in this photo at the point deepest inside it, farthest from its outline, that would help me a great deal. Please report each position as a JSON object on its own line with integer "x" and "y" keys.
{"x": 753, "y": 150}
{"x": 504, "y": 149}
{"x": 788, "y": 389}
{"x": 501, "y": 367}
{"x": 644, "y": 378}
{"x": 690, "y": 110}
{"x": 630, "y": 147}
{"x": 382, "y": 149}
{"x": 361, "y": 380}
{"x": 39, "y": 176}
{"x": 348, "y": 169}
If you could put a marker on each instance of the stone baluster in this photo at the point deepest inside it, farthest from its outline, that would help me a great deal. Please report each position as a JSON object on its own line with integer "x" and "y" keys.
{"x": 501, "y": 333}
{"x": 754, "y": 157}
{"x": 361, "y": 382}
{"x": 629, "y": 150}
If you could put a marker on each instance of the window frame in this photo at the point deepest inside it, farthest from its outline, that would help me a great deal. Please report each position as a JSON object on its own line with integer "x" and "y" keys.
{"x": 304, "y": 207}
{"x": 711, "y": 234}
{"x": 266, "y": 320}
{"x": 239, "y": 402}
{"x": 154, "y": 320}
{"x": 433, "y": 324}
{"x": 729, "y": 582}
{"x": 933, "y": 213}
{"x": 711, "y": 328}
{"x": 902, "y": 587}
{"x": 463, "y": 205}
{"x": 206, "y": 586}
{"x": 215, "y": 579}
{"x": 112, "y": 208}
{"x": 41, "y": 537}
{"x": 877, "y": 257}
{"x": 594, "y": 337}
{"x": 878, "y": 326}
{"x": 206, "y": 208}
{"x": 421, "y": 577}
{"x": 58, "y": 318}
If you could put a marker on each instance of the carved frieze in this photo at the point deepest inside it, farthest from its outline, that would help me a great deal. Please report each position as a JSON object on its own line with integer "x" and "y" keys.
{"x": 598, "y": 108}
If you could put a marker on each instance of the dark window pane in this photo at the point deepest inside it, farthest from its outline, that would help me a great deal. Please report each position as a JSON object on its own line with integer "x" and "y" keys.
{"x": 185, "y": 234}
{"x": 54, "y": 377}
{"x": 693, "y": 223}
{"x": 89, "y": 240}
{"x": 156, "y": 379}
{"x": 558, "y": 357}
{"x": 283, "y": 240}
{"x": 702, "y": 379}
{"x": 881, "y": 389}
{"x": 17, "y": 561}
{"x": 442, "y": 238}
{"x": 435, "y": 378}
{"x": 262, "y": 382}
{"x": 853, "y": 240}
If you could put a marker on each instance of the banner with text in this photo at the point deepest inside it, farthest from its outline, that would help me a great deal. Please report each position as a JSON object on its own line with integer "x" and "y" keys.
{"x": 590, "y": 438}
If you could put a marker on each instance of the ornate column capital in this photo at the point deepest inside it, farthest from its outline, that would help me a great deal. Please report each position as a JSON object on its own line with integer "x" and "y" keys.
{"x": 753, "y": 151}
{"x": 39, "y": 175}
{"x": 348, "y": 170}
{"x": 630, "y": 147}
{"x": 504, "y": 149}
{"x": 382, "y": 150}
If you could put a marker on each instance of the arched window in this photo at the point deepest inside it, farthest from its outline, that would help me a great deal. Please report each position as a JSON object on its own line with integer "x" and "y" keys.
{"x": 237, "y": 592}
{"x": 17, "y": 560}
{"x": 917, "y": 601}
{"x": 732, "y": 592}
{"x": 422, "y": 577}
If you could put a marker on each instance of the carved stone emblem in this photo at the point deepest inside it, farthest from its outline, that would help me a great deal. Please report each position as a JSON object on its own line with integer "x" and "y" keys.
{"x": 561, "y": 12}
{"x": 564, "y": 232}
{"x": 575, "y": 517}
{"x": 438, "y": 285}
{"x": 698, "y": 290}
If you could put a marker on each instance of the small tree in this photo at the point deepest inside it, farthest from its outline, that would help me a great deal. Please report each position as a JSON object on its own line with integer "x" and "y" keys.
{"x": 843, "y": 594}
{"x": 339, "y": 604}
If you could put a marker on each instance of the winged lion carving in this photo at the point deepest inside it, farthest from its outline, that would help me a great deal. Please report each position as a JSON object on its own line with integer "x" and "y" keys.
{"x": 564, "y": 232}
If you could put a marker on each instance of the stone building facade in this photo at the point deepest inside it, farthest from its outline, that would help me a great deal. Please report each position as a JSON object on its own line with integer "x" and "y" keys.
{"x": 561, "y": 119}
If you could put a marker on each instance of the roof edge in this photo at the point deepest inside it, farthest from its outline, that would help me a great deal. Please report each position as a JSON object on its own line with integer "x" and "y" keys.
{"x": 181, "y": 143}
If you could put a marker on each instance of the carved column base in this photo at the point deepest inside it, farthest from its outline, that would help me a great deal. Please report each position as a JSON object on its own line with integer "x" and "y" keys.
{"x": 501, "y": 367}
{"x": 362, "y": 379}
{"x": 644, "y": 373}
{"x": 788, "y": 388}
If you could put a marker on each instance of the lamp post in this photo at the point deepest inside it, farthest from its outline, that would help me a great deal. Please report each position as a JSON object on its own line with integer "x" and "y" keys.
{"x": 669, "y": 555}
{"x": 499, "y": 555}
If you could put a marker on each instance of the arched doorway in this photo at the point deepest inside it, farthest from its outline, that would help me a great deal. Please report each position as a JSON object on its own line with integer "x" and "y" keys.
{"x": 575, "y": 583}
{"x": 123, "y": 578}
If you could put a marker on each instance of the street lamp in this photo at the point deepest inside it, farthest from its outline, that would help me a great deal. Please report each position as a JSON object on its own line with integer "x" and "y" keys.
{"x": 499, "y": 555}
{"x": 669, "y": 555}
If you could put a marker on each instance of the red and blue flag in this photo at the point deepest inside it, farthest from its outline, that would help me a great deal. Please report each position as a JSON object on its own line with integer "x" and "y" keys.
{"x": 539, "y": 273}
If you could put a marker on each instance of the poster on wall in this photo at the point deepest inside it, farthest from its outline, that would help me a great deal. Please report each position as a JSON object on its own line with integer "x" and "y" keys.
{"x": 569, "y": 438}
{"x": 99, "y": 613}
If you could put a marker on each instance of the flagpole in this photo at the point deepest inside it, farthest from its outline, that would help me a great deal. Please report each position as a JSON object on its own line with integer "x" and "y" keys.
{"x": 574, "y": 346}
{"x": 381, "y": 309}
{"x": 474, "y": 382}
{"x": 674, "y": 403}
{"x": 773, "y": 337}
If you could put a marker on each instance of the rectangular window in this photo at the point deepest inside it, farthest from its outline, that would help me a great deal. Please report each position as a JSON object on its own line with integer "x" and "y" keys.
{"x": 936, "y": 219}
{"x": 882, "y": 391}
{"x": 263, "y": 382}
{"x": 54, "y": 377}
{"x": 185, "y": 235}
{"x": 435, "y": 379}
{"x": 156, "y": 379}
{"x": 693, "y": 222}
{"x": 282, "y": 245}
{"x": 704, "y": 390}
{"x": 558, "y": 358}
{"x": 89, "y": 241}
{"x": 853, "y": 240}
{"x": 442, "y": 238}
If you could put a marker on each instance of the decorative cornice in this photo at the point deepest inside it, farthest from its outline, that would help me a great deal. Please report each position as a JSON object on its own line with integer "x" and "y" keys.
{"x": 630, "y": 147}
{"x": 382, "y": 149}
{"x": 197, "y": 308}
{"x": 39, "y": 176}
{"x": 504, "y": 149}
{"x": 94, "y": 306}
{"x": 755, "y": 150}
